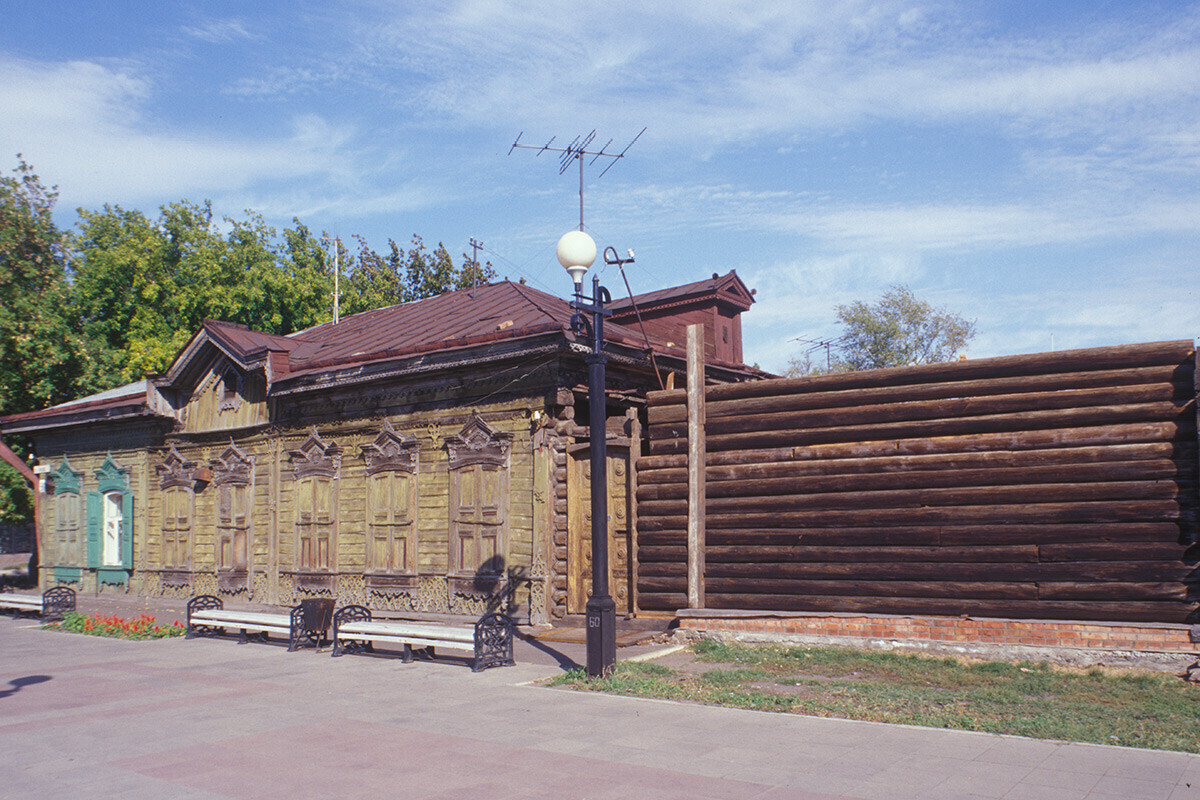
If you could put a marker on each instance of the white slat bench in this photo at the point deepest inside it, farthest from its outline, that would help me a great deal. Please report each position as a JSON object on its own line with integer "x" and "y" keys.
{"x": 207, "y": 616}
{"x": 49, "y": 605}
{"x": 490, "y": 639}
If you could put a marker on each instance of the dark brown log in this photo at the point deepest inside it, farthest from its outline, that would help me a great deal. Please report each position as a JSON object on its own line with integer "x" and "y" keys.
{"x": 1179, "y": 377}
{"x": 942, "y": 409}
{"x": 913, "y": 499}
{"x": 1166, "y": 534}
{"x": 1164, "y": 590}
{"x": 1116, "y": 611}
{"x": 752, "y": 574}
{"x": 1131, "y": 471}
{"x": 868, "y": 588}
{"x": 668, "y": 439}
{"x": 1114, "y": 551}
{"x": 1044, "y": 513}
{"x": 815, "y": 554}
{"x": 989, "y": 460}
{"x": 1176, "y": 353}
{"x": 1182, "y": 437}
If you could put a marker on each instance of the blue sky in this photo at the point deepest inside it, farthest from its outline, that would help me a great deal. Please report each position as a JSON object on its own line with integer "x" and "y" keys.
{"x": 1033, "y": 166}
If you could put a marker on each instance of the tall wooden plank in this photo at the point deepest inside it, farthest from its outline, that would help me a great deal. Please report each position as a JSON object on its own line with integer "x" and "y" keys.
{"x": 696, "y": 465}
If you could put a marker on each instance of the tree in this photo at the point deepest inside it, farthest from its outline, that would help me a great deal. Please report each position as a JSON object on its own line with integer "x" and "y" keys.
{"x": 41, "y": 353}
{"x": 899, "y": 330}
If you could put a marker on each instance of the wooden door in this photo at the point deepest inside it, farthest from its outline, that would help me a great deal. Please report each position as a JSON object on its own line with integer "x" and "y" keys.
{"x": 579, "y": 529}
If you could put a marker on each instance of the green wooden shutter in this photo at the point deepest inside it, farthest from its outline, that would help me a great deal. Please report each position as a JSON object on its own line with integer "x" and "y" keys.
{"x": 95, "y": 522}
{"x": 127, "y": 530}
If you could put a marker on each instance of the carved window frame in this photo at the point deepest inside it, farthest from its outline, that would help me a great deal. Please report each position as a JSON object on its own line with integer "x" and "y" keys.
{"x": 478, "y": 533}
{"x": 233, "y": 480}
{"x": 176, "y": 482}
{"x": 69, "y": 524}
{"x": 316, "y": 469}
{"x": 392, "y": 464}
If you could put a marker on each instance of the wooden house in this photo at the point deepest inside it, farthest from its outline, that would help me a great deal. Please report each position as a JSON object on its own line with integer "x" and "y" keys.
{"x": 427, "y": 457}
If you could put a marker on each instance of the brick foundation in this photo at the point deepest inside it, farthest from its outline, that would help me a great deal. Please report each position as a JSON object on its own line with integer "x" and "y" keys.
{"x": 1012, "y": 633}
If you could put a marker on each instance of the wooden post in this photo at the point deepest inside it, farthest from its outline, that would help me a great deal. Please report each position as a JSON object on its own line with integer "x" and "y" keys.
{"x": 696, "y": 464}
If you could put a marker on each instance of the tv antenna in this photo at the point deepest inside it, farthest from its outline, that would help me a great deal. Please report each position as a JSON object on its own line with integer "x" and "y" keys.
{"x": 575, "y": 151}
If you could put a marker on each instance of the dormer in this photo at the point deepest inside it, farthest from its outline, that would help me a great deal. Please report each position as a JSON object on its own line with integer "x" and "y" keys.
{"x": 717, "y": 303}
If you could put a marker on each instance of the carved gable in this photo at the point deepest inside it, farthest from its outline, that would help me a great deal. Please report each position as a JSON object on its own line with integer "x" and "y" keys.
{"x": 478, "y": 443}
{"x": 391, "y": 451}
{"x": 315, "y": 457}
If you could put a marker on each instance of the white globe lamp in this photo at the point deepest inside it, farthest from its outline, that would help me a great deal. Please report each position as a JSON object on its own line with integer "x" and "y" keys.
{"x": 576, "y": 252}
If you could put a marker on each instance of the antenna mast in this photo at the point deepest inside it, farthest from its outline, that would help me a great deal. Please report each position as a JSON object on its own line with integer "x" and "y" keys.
{"x": 575, "y": 152}
{"x": 337, "y": 294}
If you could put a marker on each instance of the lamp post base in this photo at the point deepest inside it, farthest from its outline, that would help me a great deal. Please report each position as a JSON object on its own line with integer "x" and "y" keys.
{"x": 601, "y": 636}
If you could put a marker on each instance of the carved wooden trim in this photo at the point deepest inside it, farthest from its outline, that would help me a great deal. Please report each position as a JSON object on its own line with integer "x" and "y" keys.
{"x": 391, "y": 452}
{"x": 67, "y": 480}
{"x": 111, "y": 477}
{"x": 478, "y": 443}
{"x": 316, "y": 458}
{"x": 232, "y": 466}
{"x": 175, "y": 470}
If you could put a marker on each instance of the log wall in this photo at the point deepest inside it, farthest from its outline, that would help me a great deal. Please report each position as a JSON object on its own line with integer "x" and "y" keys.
{"x": 1059, "y": 485}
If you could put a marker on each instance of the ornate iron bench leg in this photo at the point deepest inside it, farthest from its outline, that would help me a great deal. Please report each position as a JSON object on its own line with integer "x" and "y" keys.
{"x": 493, "y": 642}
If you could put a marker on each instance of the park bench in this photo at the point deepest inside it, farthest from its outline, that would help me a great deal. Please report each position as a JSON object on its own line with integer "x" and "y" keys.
{"x": 49, "y": 605}
{"x": 490, "y": 639}
{"x": 309, "y": 621}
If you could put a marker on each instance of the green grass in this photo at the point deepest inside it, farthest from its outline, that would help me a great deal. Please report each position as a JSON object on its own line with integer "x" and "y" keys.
{"x": 1149, "y": 710}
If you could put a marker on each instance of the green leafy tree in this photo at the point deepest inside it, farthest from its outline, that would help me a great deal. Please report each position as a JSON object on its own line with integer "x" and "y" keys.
{"x": 899, "y": 330}
{"x": 42, "y": 355}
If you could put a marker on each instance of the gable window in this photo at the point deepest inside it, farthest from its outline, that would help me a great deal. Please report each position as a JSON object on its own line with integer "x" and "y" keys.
{"x": 391, "y": 462}
{"x": 317, "y": 465}
{"x": 478, "y": 498}
{"x": 230, "y": 389}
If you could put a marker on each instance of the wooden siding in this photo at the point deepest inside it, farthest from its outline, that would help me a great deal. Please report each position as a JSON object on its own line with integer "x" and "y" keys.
{"x": 212, "y": 405}
{"x": 1061, "y": 485}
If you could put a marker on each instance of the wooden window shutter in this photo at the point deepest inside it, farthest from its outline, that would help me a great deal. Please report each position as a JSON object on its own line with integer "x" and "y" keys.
{"x": 95, "y": 521}
{"x": 127, "y": 530}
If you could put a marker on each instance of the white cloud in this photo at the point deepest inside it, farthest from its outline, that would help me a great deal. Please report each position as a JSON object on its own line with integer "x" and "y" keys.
{"x": 88, "y": 121}
{"x": 219, "y": 31}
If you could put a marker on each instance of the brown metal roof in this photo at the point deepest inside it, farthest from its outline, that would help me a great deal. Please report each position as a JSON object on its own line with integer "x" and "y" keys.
{"x": 492, "y": 312}
{"x": 728, "y": 287}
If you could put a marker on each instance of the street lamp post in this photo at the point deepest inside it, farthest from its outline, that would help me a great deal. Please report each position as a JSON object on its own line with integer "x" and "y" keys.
{"x": 576, "y": 252}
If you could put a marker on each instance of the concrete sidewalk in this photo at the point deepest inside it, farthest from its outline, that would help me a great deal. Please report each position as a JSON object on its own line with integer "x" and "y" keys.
{"x": 82, "y": 716}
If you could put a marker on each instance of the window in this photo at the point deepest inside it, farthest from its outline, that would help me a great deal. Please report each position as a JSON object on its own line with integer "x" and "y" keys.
{"x": 233, "y": 525}
{"x": 68, "y": 528}
{"x": 114, "y": 519}
{"x": 391, "y": 462}
{"x": 477, "y": 525}
{"x": 176, "y": 527}
{"x": 233, "y": 477}
{"x": 314, "y": 525}
{"x": 317, "y": 465}
{"x": 176, "y": 481}
{"x": 478, "y": 498}
{"x": 110, "y": 523}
